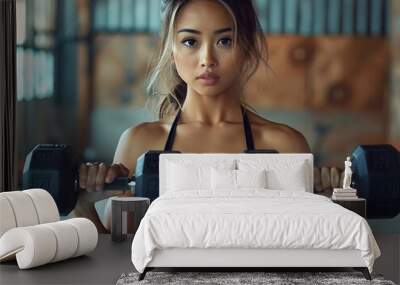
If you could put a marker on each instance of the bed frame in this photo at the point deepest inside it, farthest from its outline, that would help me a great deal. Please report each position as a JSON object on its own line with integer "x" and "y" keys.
{"x": 246, "y": 259}
{"x": 242, "y": 259}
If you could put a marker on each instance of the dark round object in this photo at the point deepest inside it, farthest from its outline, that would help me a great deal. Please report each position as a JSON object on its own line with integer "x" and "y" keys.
{"x": 52, "y": 167}
{"x": 147, "y": 174}
{"x": 376, "y": 176}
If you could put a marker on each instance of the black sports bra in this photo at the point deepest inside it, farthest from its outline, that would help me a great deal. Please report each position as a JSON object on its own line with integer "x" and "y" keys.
{"x": 246, "y": 126}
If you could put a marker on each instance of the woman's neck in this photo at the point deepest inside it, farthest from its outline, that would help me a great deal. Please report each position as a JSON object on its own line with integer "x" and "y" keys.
{"x": 211, "y": 109}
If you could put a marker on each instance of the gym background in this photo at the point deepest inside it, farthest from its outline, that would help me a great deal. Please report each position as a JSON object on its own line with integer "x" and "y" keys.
{"x": 81, "y": 67}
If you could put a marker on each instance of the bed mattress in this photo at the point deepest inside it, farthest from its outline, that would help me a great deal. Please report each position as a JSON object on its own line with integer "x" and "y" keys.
{"x": 250, "y": 219}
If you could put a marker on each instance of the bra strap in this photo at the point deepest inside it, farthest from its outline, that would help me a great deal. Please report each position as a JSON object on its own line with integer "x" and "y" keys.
{"x": 246, "y": 125}
{"x": 171, "y": 135}
{"x": 247, "y": 131}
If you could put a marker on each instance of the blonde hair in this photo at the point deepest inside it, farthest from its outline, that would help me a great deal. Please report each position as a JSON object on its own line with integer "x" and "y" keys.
{"x": 164, "y": 82}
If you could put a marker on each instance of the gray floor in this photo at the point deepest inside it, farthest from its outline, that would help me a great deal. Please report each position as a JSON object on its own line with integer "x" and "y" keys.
{"x": 102, "y": 266}
{"x": 110, "y": 259}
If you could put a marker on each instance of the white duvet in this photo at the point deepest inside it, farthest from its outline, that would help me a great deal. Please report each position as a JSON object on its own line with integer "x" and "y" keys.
{"x": 253, "y": 218}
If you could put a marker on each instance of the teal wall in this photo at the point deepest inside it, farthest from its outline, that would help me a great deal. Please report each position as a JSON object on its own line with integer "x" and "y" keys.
{"x": 321, "y": 17}
{"x": 305, "y": 17}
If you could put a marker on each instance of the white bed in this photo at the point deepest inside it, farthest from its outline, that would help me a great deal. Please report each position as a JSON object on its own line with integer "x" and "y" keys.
{"x": 200, "y": 220}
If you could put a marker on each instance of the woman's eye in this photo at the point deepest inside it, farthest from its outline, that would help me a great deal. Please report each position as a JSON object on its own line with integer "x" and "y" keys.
{"x": 225, "y": 42}
{"x": 189, "y": 42}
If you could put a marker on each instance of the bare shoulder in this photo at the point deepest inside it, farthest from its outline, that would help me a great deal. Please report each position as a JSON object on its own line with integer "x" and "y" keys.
{"x": 138, "y": 139}
{"x": 144, "y": 133}
{"x": 278, "y": 136}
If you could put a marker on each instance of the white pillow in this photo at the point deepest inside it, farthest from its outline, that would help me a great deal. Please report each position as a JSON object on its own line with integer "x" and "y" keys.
{"x": 236, "y": 179}
{"x": 223, "y": 179}
{"x": 188, "y": 176}
{"x": 281, "y": 175}
{"x": 251, "y": 178}
{"x": 295, "y": 180}
{"x": 182, "y": 178}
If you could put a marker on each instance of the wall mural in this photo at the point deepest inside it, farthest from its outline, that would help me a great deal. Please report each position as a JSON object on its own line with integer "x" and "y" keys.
{"x": 334, "y": 72}
{"x": 338, "y": 85}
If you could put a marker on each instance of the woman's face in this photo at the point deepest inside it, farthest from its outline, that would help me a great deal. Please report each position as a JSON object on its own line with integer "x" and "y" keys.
{"x": 203, "y": 49}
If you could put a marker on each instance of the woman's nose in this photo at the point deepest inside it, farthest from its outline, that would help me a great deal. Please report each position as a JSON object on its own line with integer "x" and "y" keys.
{"x": 207, "y": 58}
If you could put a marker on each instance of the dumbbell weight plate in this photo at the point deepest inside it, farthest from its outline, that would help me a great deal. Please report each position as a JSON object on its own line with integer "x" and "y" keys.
{"x": 51, "y": 167}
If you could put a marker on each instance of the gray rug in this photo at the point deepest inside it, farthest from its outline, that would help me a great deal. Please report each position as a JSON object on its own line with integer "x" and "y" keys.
{"x": 229, "y": 278}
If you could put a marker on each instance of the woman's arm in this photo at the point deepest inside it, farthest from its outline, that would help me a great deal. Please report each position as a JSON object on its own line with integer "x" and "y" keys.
{"x": 132, "y": 144}
{"x": 288, "y": 140}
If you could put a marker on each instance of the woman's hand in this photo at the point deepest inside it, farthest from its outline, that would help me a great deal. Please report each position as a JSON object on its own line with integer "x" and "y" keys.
{"x": 92, "y": 176}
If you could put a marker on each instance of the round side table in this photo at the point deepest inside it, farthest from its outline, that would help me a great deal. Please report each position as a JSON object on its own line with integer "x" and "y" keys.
{"x": 120, "y": 206}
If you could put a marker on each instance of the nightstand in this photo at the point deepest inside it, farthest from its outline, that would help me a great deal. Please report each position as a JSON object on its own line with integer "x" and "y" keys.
{"x": 357, "y": 205}
{"x": 121, "y": 205}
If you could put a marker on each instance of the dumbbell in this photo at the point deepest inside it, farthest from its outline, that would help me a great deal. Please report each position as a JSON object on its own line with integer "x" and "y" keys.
{"x": 52, "y": 167}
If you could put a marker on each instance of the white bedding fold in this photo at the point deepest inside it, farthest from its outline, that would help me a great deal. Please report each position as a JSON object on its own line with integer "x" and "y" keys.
{"x": 250, "y": 218}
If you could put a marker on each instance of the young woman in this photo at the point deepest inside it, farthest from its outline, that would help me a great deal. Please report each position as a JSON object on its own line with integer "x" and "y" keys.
{"x": 209, "y": 49}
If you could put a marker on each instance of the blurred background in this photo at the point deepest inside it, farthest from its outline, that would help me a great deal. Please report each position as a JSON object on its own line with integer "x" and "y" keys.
{"x": 81, "y": 67}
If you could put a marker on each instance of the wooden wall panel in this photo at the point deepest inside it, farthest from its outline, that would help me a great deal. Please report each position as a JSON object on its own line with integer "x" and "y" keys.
{"x": 283, "y": 83}
{"x": 121, "y": 68}
{"x": 349, "y": 74}
{"x": 323, "y": 74}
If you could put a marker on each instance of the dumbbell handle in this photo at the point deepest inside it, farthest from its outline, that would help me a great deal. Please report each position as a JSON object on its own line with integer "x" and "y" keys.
{"x": 119, "y": 183}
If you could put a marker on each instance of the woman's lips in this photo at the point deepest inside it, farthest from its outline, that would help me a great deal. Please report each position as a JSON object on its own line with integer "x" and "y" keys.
{"x": 208, "y": 79}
